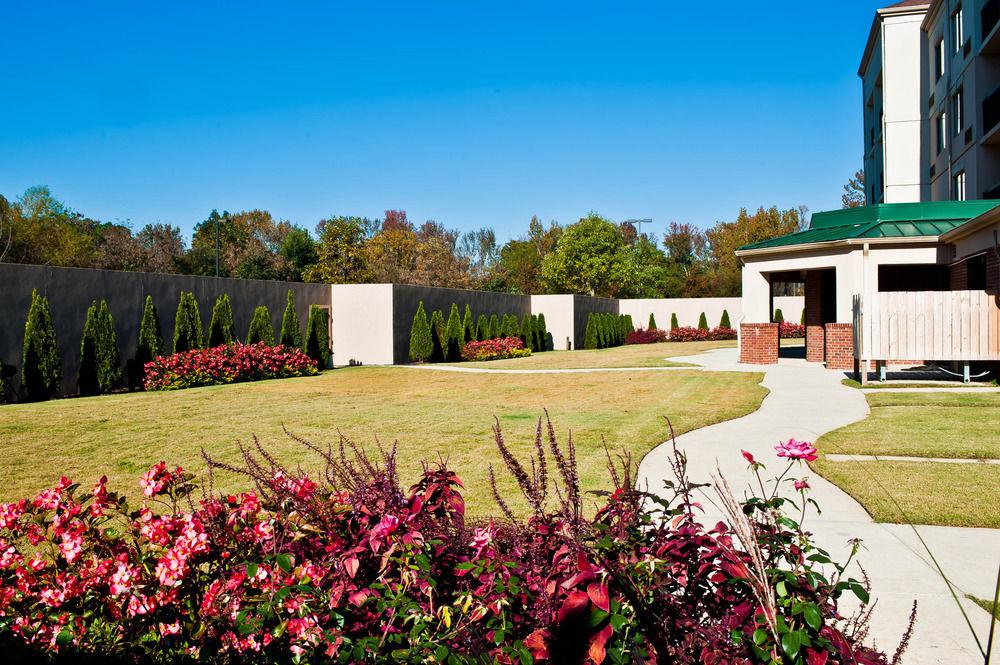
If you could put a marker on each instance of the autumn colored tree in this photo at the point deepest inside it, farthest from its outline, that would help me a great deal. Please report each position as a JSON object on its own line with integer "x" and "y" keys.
{"x": 726, "y": 237}
{"x": 854, "y": 191}
{"x": 519, "y": 267}
{"x": 341, "y": 256}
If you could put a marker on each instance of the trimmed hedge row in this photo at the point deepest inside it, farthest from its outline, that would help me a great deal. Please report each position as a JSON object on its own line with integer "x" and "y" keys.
{"x": 606, "y": 330}
{"x": 435, "y": 339}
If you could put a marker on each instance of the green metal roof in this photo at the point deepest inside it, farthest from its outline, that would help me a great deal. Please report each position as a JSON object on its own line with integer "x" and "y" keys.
{"x": 886, "y": 220}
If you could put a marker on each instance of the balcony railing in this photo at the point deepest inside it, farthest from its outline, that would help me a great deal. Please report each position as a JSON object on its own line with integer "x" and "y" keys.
{"x": 991, "y": 111}
{"x": 989, "y": 16}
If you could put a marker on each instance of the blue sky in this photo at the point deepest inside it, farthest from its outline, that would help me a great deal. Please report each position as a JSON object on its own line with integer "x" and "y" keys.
{"x": 472, "y": 114}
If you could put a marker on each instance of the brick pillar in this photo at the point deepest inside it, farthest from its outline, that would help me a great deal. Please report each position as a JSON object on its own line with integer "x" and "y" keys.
{"x": 839, "y": 345}
{"x": 815, "y": 335}
{"x": 759, "y": 343}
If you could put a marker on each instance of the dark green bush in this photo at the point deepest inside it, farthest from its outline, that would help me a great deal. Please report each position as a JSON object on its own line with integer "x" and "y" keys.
{"x": 527, "y": 332}
{"x": 724, "y": 322}
{"x": 495, "y": 330}
{"x": 590, "y": 339}
{"x": 41, "y": 366}
{"x": 702, "y": 322}
{"x": 291, "y": 331}
{"x": 779, "y": 317}
{"x": 109, "y": 361}
{"x": 673, "y": 321}
{"x": 318, "y": 336}
{"x": 511, "y": 328}
{"x": 187, "y": 324}
{"x": 150, "y": 340}
{"x": 87, "y": 378}
{"x": 468, "y": 326}
{"x": 483, "y": 328}
{"x": 652, "y": 322}
{"x": 260, "y": 329}
{"x": 221, "y": 329}
{"x": 440, "y": 343}
{"x": 453, "y": 335}
{"x": 421, "y": 345}
{"x": 543, "y": 334}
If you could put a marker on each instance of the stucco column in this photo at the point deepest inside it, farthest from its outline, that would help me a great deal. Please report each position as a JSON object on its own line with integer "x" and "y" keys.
{"x": 756, "y": 296}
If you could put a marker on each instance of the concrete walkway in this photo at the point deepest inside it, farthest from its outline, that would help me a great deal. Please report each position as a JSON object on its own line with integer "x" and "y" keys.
{"x": 805, "y": 401}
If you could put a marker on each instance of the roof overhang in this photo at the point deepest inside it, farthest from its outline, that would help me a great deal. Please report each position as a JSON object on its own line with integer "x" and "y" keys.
{"x": 985, "y": 220}
{"x": 849, "y": 243}
{"x": 873, "y": 33}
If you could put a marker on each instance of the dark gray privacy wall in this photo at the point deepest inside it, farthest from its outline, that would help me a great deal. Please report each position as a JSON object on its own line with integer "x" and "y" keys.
{"x": 582, "y": 307}
{"x": 406, "y": 299}
{"x": 71, "y": 290}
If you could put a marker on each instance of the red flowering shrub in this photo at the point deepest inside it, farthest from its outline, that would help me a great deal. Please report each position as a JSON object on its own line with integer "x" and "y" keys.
{"x": 791, "y": 330}
{"x": 495, "y": 349}
{"x": 354, "y": 569}
{"x": 699, "y": 335}
{"x": 648, "y": 336}
{"x": 230, "y": 363}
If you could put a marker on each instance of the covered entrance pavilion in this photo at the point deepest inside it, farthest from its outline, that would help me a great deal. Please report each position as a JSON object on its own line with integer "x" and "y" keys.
{"x": 843, "y": 256}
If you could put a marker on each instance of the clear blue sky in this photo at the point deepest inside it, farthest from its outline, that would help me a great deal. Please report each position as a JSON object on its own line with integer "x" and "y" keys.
{"x": 473, "y": 114}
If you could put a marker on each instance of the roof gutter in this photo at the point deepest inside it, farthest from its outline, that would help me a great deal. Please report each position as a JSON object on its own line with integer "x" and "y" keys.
{"x": 833, "y": 244}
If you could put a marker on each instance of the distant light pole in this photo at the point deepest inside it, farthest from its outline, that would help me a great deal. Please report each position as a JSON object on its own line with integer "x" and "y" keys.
{"x": 638, "y": 224}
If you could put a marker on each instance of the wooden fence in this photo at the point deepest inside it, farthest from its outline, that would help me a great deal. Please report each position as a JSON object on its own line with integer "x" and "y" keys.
{"x": 927, "y": 325}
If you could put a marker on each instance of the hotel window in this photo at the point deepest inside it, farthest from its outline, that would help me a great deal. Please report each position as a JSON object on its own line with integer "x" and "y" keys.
{"x": 957, "y": 35}
{"x": 939, "y": 60}
{"x": 942, "y": 132}
{"x": 956, "y": 110}
{"x": 959, "y": 186}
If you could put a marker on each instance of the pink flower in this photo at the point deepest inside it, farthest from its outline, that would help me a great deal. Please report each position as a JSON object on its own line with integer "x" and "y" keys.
{"x": 801, "y": 485}
{"x": 482, "y": 538}
{"x": 748, "y": 457}
{"x": 797, "y": 450}
{"x": 170, "y": 628}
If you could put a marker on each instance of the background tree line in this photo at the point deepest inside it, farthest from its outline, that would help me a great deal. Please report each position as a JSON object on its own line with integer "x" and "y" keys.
{"x": 592, "y": 256}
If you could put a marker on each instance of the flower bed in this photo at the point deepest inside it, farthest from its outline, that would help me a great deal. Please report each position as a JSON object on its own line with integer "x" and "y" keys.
{"x": 495, "y": 349}
{"x": 699, "y": 335}
{"x": 643, "y": 336}
{"x": 791, "y": 330}
{"x": 358, "y": 570}
{"x": 230, "y": 363}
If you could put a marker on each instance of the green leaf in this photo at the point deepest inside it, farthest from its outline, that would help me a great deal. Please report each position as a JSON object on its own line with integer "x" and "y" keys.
{"x": 64, "y": 637}
{"x": 759, "y": 636}
{"x": 251, "y": 570}
{"x": 791, "y": 643}
{"x": 441, "y": 653}
{"x": 284, "y": 562}
{"x": 860, "y": 592}
{"x": 813, "y": 616}
{"x": 781, "y": 589}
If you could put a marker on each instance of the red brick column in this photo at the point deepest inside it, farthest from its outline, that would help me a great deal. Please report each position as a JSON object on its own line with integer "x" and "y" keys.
{"x": 815, "y": 337}
{"x": 759, "y": 343}
{"x": 839, "y": 345}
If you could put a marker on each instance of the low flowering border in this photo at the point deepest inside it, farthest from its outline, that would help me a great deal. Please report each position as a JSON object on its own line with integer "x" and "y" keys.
{"x": 232, "y": 363}
{"x": 699, "y": 335}
{"x": 650, "y": 336}
{"x": 791, "y": 330}
{"x": 495, "y": 349}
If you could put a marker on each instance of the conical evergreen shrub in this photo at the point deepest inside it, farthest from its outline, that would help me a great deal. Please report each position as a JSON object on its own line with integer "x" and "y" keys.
{"x": 421, "y": 345}
{"x": 41, "y": 366}
{"x": 317, "y": 344}
{"x": 779, "y": 317}
{"x": 468, "y": 326}
{"x": 187, "y": 324}
{"x": 537, "y": 342}
{"x": 87, "y": 378}
{"x": 629, "y": 325}
{"x": 724, "y": 322}
{"x": 652, "y": 322}
{"x": 527, "y": 332}
{"x": 511, "y": 328}
{"x": 673, "y": 321}
{"x": 260, "y": 329}
{"x": 221, "y": 330}
{"x": 483, "y": 328}
{"x": 291, "y": 331}
{"x": 150, "y": 343}
{"x": 543, "y": 334}
{"x": 802, "y": 320}
{"x": 109, "y": 361}
{"x": 453, "y": 335}
{"x": 590, "y": 333}
{"x": 702, "y": 322}
{"x": 440, "y": 343}
{"x": 494, "y": 327}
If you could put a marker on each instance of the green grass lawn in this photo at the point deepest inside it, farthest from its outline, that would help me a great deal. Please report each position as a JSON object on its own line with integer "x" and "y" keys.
{"x": 922, "y": 425}
{"x": 635, "y": 355}
{"x": 429, "y": 413}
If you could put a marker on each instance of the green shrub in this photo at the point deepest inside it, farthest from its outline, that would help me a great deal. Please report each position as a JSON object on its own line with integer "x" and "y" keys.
{"x": 802, "y": 320}
{"x": 150, "y": 340}
{"x": 221, "y": 329}
{"x": 291, "y": 331}
{"x": 260, "y": 329}
{"x": 527, "y": 332}
{"x": 511, "y": 328}
{"x": 483, "y": 328}
{"x": 725, "y": 322}
{"x": 494, "y": 327}
{"x": 468, "y": 326}
{"x": 779, "y": 317}
{"x": 590, "y": 335}
{"x": 629, "y": 326}
{"x": 439, "y": 343}
{"x": 543, "y": 334}
{"x": 602, "y": 331}
{"x": 41, "y": 366}
{"x": 702, "y": 322}
{"x": 652, "y": 322}
{"x": 87, "y": 378}
{"x": 421, "y": 345}
{"x": 453, "y": 335}
{"x": 538, "y": 341}
{"x": 187, "y": 324}
{"x": 317, "y": 344}
{"x": 109, "y": 361}
{"x": 673, "y": 321}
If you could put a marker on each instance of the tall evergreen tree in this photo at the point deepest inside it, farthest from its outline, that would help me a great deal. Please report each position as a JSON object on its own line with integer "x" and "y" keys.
{"x": 511, "y": 328}
{"x": 673, "y": 321}
{"x": 454, "y": 335}
{"x": 527, "y": 332}
{"x": 197, "y": 328}
{"x": 421, "y": 344}
{"x": 590, "y": 335}
{"x": 109, "y": 367}
{"x": 150, "y": 343}
{"x": 439, "y": 343}
{"x": 495, "y": 330}
{"x": 291, "y": 331}
{"x": 468, "y": 326}
{"x": 317, "y": 344}
{"x": 702, "y": 322}
{"x": 41, "y": 366}
{"x": 187, "y": 324}
{"x": 483, "y": 328}
{"x": 652, "y": 322}
{"x": 221, "y": 330}
{"x": 725, "y": 322}
{"x": 779, "y": 316}
{"x": 544, "y": 333}
{"x": 87, "y": 379}
{"x": 261, "y": 329}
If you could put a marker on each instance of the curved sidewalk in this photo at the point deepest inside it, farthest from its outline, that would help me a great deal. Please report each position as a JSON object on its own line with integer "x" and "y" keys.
{"x": 806, "y": 401}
